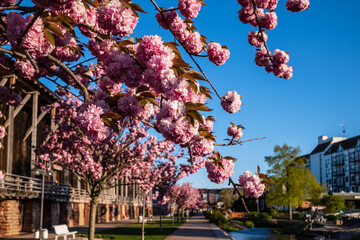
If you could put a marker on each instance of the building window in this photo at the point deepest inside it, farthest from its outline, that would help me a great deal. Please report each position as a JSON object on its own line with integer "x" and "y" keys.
{"x": 346, "y": 179}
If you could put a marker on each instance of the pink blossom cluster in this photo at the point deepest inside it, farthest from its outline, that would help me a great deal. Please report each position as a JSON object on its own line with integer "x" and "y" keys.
{"x": 56, "y": 5}
{"x": 89, "y": 117}
{"x": 130, "y": 106}
{"x": 255, "y": 39}
{"x": 172, "y": 123}
{"x": 122, "y": 68}
{"x": 34, "y": 41}
{"x": 192, "y": 41}
{"x": 231, "y": 102}
{"x": 267, "y": 20}
{"x": 201, "y": 146}
{"x": 218, "y": 173}
{"x": 251, "y": 184}
{"x": 8, "y": 97}
{"x": 66, "y": 48}
{"x": 115, "y": 18}
{"x": 25, "y": 68}
{"x": 217, "y": 54}
{"x": 278, "y": 66}
{"x": 7, "y": 2}
{"x": 297, "y": 5}
{"x": 235, "y": 131}
{"x": 189, "y": 8}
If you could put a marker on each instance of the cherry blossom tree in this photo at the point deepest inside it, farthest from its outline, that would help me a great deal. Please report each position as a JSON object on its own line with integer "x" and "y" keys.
{"x": 115, "y": 88}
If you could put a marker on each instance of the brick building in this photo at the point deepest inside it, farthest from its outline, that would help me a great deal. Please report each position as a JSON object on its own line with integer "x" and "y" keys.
{"x": 66, "y": 198}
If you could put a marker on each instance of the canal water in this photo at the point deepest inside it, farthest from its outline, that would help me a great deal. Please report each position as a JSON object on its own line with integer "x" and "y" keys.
{"x": 260, "y": 234}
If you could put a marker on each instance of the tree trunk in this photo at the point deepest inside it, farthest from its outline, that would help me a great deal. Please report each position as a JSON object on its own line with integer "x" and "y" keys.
{"x": 93, "y": 205}
{"x": 160, "y": 218}
{"x": 182, "y": 214}
{"x": 143, "y": 221}
{"x": 290, "y": 212}
{"x": 178, "y": 215}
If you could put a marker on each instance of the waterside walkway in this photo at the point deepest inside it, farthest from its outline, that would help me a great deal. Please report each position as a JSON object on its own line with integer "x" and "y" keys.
{"x": 198, "y": 228}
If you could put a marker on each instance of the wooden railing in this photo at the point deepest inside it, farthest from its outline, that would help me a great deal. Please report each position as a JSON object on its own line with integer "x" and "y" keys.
{"x": 16, "y": 186}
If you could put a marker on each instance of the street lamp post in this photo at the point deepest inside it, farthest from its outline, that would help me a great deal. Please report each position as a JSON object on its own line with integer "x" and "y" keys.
{"x": 42, "y": 172}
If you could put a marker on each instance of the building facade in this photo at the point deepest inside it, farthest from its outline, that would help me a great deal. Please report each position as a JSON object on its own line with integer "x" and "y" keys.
{"x": 66, "y": 198}
{"x": 336, "y": 162}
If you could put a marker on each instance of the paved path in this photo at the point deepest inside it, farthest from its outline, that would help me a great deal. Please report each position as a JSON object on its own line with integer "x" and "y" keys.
{"x": 198, "y": 228}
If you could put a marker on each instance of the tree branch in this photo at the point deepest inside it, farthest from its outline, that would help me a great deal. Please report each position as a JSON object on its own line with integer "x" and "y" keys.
{"x": 71, "y": 74}
{"x": 36, "y": 16}
{"x": 237, "y": 190}
{"x": 232, "y": 143}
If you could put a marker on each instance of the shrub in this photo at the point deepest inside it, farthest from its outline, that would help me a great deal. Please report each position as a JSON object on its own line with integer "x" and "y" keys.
{"x": 218, "y": 218}
{"x": 273, "y": 212}
{"x": 299, "y": 216}
{"x": 331, "y": 217}
{"x": 250, "y": 224}
{"x": 262, "y": 216}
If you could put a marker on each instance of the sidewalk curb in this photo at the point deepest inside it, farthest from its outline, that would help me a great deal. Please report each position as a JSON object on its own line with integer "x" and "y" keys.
{"x": 220, "y": 234}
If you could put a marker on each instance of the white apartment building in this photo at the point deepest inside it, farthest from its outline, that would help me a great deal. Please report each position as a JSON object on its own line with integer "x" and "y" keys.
{"x": 335, "y": 162}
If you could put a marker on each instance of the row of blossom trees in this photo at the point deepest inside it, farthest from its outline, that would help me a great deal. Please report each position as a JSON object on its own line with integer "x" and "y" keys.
{"x": 114, "y": 89}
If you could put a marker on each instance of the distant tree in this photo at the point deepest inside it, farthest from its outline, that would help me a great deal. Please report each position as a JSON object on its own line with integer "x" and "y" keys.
{"x": 333, "y": 203}
{"x": 294, "y": 183}
{"x": 350, "y": 205}
{"x": 228, "y": 197}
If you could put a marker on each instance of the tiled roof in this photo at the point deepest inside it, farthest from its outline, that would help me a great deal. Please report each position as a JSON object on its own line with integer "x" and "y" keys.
{"x": 320, "y": 148}
{"x": 345, "y": 144}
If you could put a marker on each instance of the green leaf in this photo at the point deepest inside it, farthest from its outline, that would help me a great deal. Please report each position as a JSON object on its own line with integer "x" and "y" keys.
{"x": 195, "y": 115}
{"x": 55, "y": 29}
{"x": 142, "y": 88}
{"x": 49, "y": 37}
{"x": 137, "y": 7}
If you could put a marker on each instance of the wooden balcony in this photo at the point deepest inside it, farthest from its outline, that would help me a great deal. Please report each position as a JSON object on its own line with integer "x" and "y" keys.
{"x": 22, "y": 187}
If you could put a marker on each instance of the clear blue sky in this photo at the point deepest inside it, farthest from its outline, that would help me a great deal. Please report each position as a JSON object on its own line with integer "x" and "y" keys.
{"x": 323, "y": 43}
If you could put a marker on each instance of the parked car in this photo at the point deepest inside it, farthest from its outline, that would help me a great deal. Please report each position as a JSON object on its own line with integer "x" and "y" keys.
{"x": 355, "y": 213}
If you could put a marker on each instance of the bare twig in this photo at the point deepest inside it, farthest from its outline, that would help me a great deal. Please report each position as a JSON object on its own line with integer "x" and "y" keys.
{"x": 231, "y": 143}
{"x": 13, "y": 53}
{"x": 261, "y": 31}
{"x": 32, "y": 61}
{"x": 71, "y": 74}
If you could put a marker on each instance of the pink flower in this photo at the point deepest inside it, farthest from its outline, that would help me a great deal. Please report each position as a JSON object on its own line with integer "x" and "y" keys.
{"x": 283, "y": 71}
{"x": 25, "y": 68}
{"x": 193, "y": 43}
{"x": 235, "y": 132}
{"x": 202, "y": 146}
{"x": 152, "y": 53}
{"x": 268, "y": 20}
{"x": 169, "y": 17}
{"x": 272, "y": 5}
{"x": 231, "y": 102}
{"x": 7, "y": 2}
{"x": 116, "y": 18}
{"x": 219, "y": 174}
{"x": 297, "y": 5}
{"x": 261, "y": 57}
{"x": 255, "y": 39}
{"x": 189, "y": 8}
{"x": 217, "y": 54}
{"x": 251, "y": 184}
{"x": 122, "y": 68}
{"x": 280, "y": 57}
